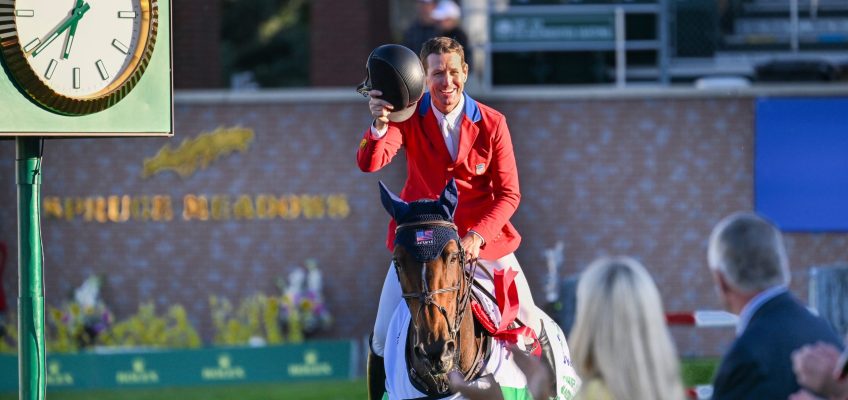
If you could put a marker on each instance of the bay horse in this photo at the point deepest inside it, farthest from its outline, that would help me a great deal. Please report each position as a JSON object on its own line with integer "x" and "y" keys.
{"x": 434, "y": 330}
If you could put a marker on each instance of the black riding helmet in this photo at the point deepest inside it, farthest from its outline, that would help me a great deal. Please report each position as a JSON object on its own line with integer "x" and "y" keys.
{"x": 397, "y": 72}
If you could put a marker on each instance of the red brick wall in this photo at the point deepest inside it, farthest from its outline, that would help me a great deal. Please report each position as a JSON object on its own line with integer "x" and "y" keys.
{"x": 642, "y": 177}
{"x": 196, "y": 40}
{"x": 342, "y": 34}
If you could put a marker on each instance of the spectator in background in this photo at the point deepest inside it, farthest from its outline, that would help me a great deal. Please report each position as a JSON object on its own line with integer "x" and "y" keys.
{"x": 447, "y": 16}
{"x": 423, "y": 28}
{"x": 620, "y": 343}
{"x": 817, "y": 368}
{"x": 751, "y": 271}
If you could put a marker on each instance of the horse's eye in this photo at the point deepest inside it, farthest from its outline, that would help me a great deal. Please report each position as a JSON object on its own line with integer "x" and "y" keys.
{"x": 454, "y": 258}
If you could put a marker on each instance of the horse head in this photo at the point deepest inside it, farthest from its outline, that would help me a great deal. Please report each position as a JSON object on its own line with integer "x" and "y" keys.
{"x": 430, "y": 264}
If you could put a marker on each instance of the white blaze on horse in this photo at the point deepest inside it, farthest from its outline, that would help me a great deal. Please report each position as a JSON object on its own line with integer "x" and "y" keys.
{"x": 450, "y": 320}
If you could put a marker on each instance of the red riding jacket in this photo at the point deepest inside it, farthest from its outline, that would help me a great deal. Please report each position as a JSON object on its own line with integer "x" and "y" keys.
{"x": 485, "y": 171}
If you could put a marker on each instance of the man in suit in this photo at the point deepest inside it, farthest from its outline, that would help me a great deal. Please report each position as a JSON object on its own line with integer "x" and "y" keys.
{"x": 450, "y": 135}
{"x": 751, "y": 271}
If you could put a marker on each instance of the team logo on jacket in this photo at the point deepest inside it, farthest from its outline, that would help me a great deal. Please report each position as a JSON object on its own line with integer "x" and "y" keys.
{"x": 480, "y": 168}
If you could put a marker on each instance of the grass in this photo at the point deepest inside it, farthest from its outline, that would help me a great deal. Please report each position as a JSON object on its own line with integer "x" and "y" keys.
{"x": 694, "y": 371}
{"x": 698, "y": 371}
{"x": 337, "y": 390}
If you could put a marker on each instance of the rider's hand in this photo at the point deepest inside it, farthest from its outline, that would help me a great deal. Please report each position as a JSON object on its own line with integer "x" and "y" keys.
{"x": 380, "y": 109}
{"x": 538, "y": 378}
{"x": 471, "y": 244}
{"x": 483, "y": 388}
{"x": 538, "y": 375}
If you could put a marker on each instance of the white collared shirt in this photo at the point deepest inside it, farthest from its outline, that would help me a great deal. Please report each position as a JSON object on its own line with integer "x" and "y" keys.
{"x": 756, "y": 302}
{"x": 453, "y": 120}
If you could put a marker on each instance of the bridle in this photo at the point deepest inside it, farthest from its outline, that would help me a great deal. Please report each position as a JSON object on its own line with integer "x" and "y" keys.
{"x": 426, "y": 296}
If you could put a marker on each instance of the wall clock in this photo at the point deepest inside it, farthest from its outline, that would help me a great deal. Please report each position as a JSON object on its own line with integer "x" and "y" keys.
{"x": 77, "y": 57}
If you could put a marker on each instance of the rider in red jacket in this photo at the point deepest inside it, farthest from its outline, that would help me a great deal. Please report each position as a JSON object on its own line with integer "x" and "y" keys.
{"x": 451, "y": 135}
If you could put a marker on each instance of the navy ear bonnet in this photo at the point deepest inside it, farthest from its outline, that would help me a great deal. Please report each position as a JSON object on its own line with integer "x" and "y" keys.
{"x": 424, "y": 242}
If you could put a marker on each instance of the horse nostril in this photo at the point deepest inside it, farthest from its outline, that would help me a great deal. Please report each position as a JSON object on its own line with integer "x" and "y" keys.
{"x": 447, "y": 354}
{"x": 450, "y": 347}
{"x": 419, "y": 350}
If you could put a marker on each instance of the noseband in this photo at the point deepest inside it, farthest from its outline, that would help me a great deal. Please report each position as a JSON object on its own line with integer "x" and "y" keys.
{"x": 427, "y": 297}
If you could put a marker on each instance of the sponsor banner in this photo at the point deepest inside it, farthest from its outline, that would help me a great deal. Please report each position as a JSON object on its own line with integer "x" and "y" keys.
{"x": 547, "y": 27}
{"x": 320, "y": 360}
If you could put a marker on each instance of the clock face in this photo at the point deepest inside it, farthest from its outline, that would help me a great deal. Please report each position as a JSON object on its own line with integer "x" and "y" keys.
{"x": 85, "y": 55}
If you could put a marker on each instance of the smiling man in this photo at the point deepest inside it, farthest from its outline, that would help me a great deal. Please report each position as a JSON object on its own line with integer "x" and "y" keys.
{"x": 451, "y": 136}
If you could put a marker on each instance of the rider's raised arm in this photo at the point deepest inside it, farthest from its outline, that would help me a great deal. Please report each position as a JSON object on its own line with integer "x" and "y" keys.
{"x": 382, "y": 140}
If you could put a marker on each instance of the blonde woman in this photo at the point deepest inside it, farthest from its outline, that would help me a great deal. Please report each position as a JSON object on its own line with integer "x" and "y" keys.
{"x": 620, "y": 343}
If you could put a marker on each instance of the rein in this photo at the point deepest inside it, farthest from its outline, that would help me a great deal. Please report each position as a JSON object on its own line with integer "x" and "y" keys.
{"x": 426, "y": 297}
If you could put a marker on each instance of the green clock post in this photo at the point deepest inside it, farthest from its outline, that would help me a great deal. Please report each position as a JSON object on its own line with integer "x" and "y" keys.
{"x": 100, "y": 69}
{"x": 31, "y": 288}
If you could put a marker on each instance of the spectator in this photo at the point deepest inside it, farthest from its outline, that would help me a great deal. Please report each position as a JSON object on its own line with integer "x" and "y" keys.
{"x": 446, "y": 16}
{"x": 818, "y": 369}
{"x": 423, "y": 28}
{"x": 751, "y": 271}
{"x": 620, "y": 342}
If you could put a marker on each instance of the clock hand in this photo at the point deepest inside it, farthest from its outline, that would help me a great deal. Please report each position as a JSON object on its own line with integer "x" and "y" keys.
{"x": 78, "y": 13}
{"x": 72, "y": 32}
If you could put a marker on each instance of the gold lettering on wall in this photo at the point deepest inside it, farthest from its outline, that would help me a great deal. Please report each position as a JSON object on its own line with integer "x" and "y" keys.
{"x": 243, "y": 209}
{"x": 199, "y": 152}
{"x": 112, "y": 208}
{"x": 220, "y": 208}
{"x": 118, "y": 208}
{"x": 313, "y": 207}
{"x": 337, "y": 206}
{"x": 289, "y": 207}
{"x": 197, "y": 207}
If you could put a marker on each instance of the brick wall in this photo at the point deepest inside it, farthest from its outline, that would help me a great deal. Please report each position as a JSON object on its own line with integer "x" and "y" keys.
{"x": 642, "y": 177}
{"x": 196, "y": 40}
{"x": 342, "y": 34}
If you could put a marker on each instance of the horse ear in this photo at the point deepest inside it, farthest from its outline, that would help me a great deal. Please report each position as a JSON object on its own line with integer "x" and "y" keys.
{"x": 395, "y": 206}
{"x": 448, "y": 199}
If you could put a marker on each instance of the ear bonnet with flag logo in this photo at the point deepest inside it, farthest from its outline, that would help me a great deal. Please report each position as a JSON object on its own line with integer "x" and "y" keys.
{"x": 424, "y": 242}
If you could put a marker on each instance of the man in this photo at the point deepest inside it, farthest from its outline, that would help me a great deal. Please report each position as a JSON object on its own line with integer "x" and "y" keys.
{"x": 751, "y": 271}
{"x": 450, "y": 135}
{"x": 423, "y": 28}
{"x": 446, "y": 16}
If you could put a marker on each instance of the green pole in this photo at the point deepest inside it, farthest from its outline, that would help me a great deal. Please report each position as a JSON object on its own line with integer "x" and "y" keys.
{"x": 31, "y": 354}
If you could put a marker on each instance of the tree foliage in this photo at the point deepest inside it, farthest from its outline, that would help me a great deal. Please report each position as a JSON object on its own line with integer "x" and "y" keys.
{"x": 266, "y": 41}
